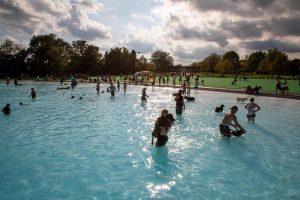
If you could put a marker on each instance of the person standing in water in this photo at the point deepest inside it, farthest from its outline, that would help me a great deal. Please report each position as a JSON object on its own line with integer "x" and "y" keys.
{"x": 118, "y": 86}
{"x": 162, "y": 126}
{"x": 112, "y": 90}
{"x": 179, "y": 102}
{"x": 252, "y": 109}
{"x": 6, "y": 110}
{"x": 33, "y": 93}
{"x": 144, "y": 95}
{"x": 125, "y": 86}
{"x": 184, "y": 87}
{"x": 188, "y": 92}
{"x": 227, "y": 121}
{"x": 98, "y": 88}
{"x": 7, "y": 81}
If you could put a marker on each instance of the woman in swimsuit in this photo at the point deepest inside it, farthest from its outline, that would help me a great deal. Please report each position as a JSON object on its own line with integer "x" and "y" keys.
{"x": 252, "y": 109}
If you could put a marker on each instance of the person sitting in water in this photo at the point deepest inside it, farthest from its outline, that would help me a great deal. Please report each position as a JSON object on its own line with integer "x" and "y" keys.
{"x": 33, "y": 93}
{"x": 112, "y": 89}
{"x": 252, "y": 109}
{"x": 162, "y": 126}
{"x": 189, "y": 98}
{"x": 227, "y": 121}
{"x": 6, "y": 110}
{"x": 219, "y": 109}
{"x": 179, "y": 102}
{"x": 144, "y": 95}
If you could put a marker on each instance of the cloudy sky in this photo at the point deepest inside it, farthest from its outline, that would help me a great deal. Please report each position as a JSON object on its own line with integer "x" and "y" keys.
{"x": 188, "y": 29}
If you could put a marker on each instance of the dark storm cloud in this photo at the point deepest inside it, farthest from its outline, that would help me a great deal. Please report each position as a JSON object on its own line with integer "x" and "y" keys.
{"x": 242, "y": 29}
{"x": 271, "y": 44}
{"x": 210, "y": 35}
{"x": 283, "y": 26}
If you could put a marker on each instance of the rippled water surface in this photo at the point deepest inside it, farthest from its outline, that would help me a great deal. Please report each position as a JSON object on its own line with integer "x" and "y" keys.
{"x": 99, "y": 147}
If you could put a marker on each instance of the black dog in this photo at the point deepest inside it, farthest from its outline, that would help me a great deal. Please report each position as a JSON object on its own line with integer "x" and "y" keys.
{"x": 220, "y": 108}
{"x": 189, "y": 98}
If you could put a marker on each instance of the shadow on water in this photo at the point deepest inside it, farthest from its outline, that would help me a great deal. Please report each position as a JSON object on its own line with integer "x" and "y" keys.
{"x": 269, "y": 134}
{"x": 247, "y": 156}
{"x": 161, "y": 159}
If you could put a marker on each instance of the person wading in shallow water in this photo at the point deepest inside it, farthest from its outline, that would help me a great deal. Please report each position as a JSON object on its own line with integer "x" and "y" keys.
{"x": 227, "y": 121}
{"x": 144, "y": 95}
{"x": 179, "y": 102}
{"x": 162, "y": 126}
{"x": 32, "y": 93}
{"x": 252, "y": 109}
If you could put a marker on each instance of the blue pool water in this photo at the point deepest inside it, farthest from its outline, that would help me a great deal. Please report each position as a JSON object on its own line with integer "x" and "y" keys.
{"x": 99, "y": 147}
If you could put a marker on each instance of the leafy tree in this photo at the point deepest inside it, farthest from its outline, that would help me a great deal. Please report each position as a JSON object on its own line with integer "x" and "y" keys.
{"x": 277, "y": 61}
{"x": 294, "y": 67}
{"x": 12, "y": 58}
{"x": 84, "y": 58}
{"x": 223, "y": 66}
{"x": 254, "y": 60}
{"x": 47, "y": 54}
{"x": 162, "y": 60}
{"x": 233, "y": 58}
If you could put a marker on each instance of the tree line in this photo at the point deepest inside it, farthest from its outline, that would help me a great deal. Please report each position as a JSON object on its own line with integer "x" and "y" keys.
{"x": 270, "y": 62}
{"x": 47, "y": 54}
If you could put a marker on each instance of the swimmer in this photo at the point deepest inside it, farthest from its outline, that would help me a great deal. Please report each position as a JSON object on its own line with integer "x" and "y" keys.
{"x": 252, "y": 109}
{"x": 98, "y": 88}
{"x": 72, "y": 97}
{"x": 219, "y": 109}
{"x": 80, "y": 98}
{"x": 112, "y": 89}
{"x": 22, "y": 104}
{"x": 227, "y": 121}
{"x": 179, "y": 102}
{"x": 33, "y": 93}
{"x": 162, "y": 126}
{"x": 144, "y": 95}
{"x": 6, "y": 110}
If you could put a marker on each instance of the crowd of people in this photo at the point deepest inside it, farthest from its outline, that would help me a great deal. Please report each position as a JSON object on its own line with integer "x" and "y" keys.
{"x": 165, "y": 121}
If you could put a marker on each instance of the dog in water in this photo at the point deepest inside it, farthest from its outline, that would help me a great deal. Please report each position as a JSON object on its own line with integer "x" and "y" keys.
{"x": 241, "y": 99}
{"x": 220, "y": 108}
{"x": 189, "y": 98}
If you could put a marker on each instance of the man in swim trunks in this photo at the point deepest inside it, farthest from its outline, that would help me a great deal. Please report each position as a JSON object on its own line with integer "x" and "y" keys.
{"x": 252, "y": 109}
{"x": 179, "y": 102}
{"x": 227, "y": 121}
{"x": 6, "y": 110}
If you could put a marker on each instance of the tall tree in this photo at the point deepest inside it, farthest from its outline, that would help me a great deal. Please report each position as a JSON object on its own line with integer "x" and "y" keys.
{"x": 85, "y": 58}
{"x": 233, "y": 58}
{"x": 254, "y": 60}
{"x": 12, "y": 57}
{"x": 162, "y": 60}
{"x": 48, "y": 54}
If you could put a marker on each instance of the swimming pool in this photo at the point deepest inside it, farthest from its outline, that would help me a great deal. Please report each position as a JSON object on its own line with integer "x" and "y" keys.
{"x": 99, "y": 147}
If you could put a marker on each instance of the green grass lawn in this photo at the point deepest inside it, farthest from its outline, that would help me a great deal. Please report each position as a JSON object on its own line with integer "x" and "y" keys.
{"x": 268, "y": 85}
